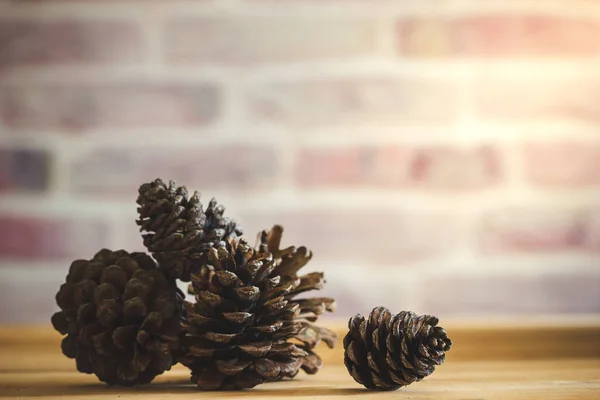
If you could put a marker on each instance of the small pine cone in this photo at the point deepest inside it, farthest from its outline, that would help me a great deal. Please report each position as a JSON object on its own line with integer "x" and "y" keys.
{"x": 388, "y": 351}
{"x": 120, "y": 315}
{"x": 178, "y": 230}
{"x": 245, "y": 327}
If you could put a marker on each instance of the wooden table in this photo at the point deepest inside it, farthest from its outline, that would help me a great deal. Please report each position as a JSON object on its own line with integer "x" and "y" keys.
{"x": 31, "y": 366}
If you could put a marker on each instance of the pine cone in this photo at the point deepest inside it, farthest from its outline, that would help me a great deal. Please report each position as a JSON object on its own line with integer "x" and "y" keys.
{"x": 289, "y": 261}
{"x": 386, "y": 352}
{"x": 239, "y": 329}
{"x": 178, "y": 230}
{"x": 120, "y": 316}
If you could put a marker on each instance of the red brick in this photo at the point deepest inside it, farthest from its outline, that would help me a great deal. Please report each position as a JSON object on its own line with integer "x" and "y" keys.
{"x": 46, "y": 238}
{"x": 40, "y": 42}
{"x": 502, "y": 295}
{"x": 119, "y": 171}
{"x": 534, "y": 229}
{"x": 422, "y": 167}
{"x": 26, "y": 170}
{"x": 515, "y": 99}
{"x": 369, "y": 236}
{"x": 501, "y": 36}
{"x": 375, "y": 101}
{"x": 35, "y": 297}
{"x": 568, "y": 164}
{"x": 252, "y": 39}
{"x": 129, "y": 105}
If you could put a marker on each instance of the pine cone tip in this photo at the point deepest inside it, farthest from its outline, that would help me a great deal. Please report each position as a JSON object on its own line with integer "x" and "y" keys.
{"x": 176, "y": 228}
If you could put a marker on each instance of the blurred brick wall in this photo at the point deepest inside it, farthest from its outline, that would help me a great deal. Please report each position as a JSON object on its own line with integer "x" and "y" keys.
{"x": 437, "y": 155}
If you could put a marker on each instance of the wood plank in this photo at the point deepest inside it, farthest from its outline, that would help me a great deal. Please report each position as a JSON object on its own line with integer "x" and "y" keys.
{"x": 512, "y": 339}
{"x": 570, "y": 379}
{"x": 493, "y": 360}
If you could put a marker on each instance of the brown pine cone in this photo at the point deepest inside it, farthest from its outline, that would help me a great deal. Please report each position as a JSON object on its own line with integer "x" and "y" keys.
{"x": 178, "y": 230}
{"x": 120, "y": 315}
{"x": 388, "y": 351}
{"x": 288, "y": 262}
{"x": 239, "y": 332}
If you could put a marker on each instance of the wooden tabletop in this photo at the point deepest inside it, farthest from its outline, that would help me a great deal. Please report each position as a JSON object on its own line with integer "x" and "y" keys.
{"x": 38, "y": 369}
{"x": 574, "y": 379}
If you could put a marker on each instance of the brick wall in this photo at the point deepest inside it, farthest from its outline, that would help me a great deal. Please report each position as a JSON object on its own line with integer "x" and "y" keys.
{"x": 437, "y": 155}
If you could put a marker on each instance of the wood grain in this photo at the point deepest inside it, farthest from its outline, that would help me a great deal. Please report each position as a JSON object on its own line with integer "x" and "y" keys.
{"x": 571, "y": 379}
{"x": 489, "y": 361}
{"x": 511, "y": 339}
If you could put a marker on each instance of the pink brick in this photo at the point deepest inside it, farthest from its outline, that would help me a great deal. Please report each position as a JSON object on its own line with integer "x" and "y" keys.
{"x": 501, "y": 36}
{"x": 257, "y": 39}
{"x": 334, "y": 166}
{"x": 368, "y": 101}
{"x": 505, "y": 295}
{"x": 40, "y": 42}
{"x": 534, "y": 229}
{"x": 26, "y": 170}
{"x": 434, "y": 168}
{"x": 90, "y": 106}
{"x": 569, "y": 164}
{"x": 35, "y": 296}
{"x": 455, "y": 168}
{"x": 56, "y": 238}
{"x": 593, "y": 230}
{"x": 108, "y": 171}
{"x": 515, "y": 99}
{"x": 370, "y": 236}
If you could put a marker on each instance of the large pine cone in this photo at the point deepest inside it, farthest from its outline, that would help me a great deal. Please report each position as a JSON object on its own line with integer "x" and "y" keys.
{"x": 121, "y": 317}
{"x": 239, "y": 329}
{"x": 288, "y": 262}
{"x": 178, "y": 230}
{"x": 388, "y": 351}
